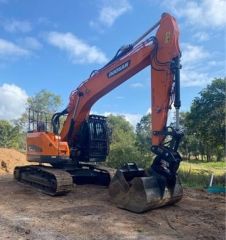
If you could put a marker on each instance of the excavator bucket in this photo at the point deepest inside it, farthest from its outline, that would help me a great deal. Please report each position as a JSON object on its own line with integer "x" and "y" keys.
{"x": 133, "y": 189}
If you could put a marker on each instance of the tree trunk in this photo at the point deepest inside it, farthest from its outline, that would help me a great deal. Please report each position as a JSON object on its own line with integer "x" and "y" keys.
{"x": 202, "y": 157}
{"x": 208, "y": 157}
{"x": 219, "y": 157}
{"x": 189, "y": 157}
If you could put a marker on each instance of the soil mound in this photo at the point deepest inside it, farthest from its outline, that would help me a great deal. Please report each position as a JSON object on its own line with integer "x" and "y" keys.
{"x": 9, "y": 159}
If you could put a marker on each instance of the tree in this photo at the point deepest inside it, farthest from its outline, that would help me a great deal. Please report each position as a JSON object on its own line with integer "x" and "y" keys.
{"x": 206, "y": 120}
{"x": 123, "y": 148}
{"x": 9, "y": 135}
{"x": 189, "y": 145}
{"x": 44, "y": 101}
{"x": 143, "y": 134}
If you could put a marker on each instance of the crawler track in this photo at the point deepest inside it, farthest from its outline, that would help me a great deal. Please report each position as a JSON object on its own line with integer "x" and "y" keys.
{"x": 46, "y": 179}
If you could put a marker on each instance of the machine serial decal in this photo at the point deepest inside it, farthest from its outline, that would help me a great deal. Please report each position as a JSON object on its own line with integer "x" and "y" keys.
{"x": 118, "y": 69}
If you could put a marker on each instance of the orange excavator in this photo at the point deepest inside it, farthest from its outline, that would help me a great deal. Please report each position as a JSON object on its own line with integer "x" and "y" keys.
{"x": 72, "y": 155}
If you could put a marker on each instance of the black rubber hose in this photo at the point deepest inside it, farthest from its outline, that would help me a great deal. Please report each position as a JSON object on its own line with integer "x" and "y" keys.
{"x": 55, "y": 121}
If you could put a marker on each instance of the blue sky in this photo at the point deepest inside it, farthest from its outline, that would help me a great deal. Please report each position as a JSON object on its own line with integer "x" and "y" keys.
{"x": 54, "y": 45}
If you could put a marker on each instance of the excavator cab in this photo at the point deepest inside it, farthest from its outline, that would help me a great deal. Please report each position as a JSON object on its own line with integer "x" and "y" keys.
{"x": 93, "y": 141}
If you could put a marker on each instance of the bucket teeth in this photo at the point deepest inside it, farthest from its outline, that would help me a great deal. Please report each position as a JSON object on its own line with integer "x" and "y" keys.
{"x": 142, "y": 193}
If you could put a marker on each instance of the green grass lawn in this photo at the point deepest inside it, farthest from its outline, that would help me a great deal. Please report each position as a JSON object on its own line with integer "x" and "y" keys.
{"x": 197, "y": 174}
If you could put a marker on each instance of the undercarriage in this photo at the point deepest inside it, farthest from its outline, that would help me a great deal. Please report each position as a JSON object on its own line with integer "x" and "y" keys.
{"x": 59, "y": 181}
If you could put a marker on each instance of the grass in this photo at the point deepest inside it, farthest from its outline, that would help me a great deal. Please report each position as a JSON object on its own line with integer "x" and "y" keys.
{"x": 197, "y": 174}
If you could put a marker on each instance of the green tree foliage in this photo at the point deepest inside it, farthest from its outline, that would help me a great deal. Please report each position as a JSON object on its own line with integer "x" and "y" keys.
{"x": 143, "y": 134}
{"x": 44, "y": 101}
{"x": 189, "y": 145}
{"x": 205, "y": 123}
{"x": 123, "y": 143}
{"x": 13, "y": 135}
{"x": 10, "y": 136}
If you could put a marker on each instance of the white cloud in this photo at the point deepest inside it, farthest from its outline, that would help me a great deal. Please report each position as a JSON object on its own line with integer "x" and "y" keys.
{"x": 16, "y": 26}
{"x": 201, "y": 36}
{"x": 9, "y": 49}
{"x": 12, "y": 101}
{"x": 30, "y": 43}
{"x": 78, "y": 50}
{"x": 136, "y": 85}
{"x": 219, "y": 63}
{"x": 110, "y": 11}
{"x": 46, "y": 22}
{"x": 194, "y": 78}
{"x": 203, "y": 13}
{"x": 194, "y": 59}
{"x": 132, "y": 118}
{"x": 148, "y": 111}
{"x": 193, "y": 53}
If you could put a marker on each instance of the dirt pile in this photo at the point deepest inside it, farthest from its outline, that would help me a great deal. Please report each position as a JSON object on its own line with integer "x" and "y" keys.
{"x": 9, "y": 159}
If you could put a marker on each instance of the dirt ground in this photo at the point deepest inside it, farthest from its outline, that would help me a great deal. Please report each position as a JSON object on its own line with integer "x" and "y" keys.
{"x": 87, "y": 213}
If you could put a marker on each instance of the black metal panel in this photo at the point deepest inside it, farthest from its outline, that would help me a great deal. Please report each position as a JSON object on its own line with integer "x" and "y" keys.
{"x": 90, "y": 175}
{"x": 130, "y": 171}
{"x": 93, "y": 140}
